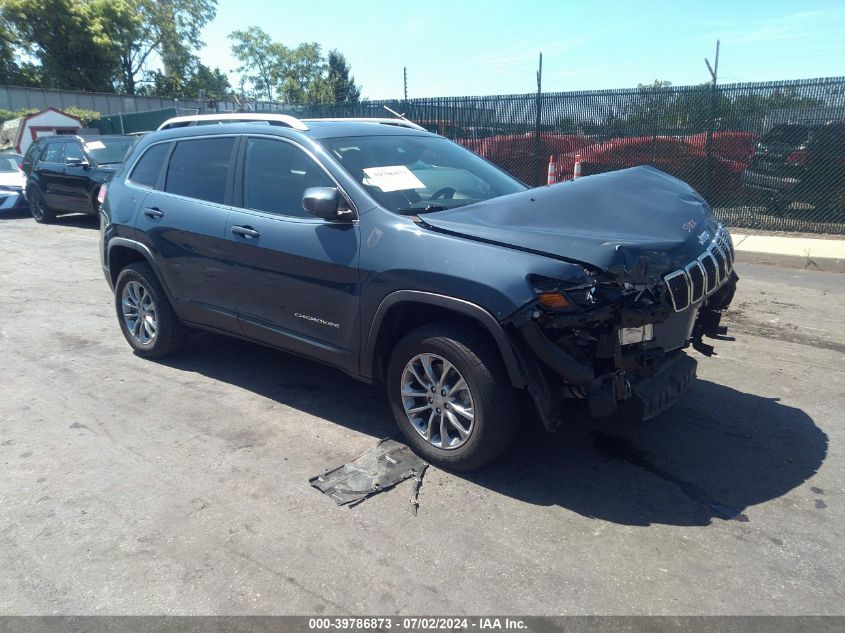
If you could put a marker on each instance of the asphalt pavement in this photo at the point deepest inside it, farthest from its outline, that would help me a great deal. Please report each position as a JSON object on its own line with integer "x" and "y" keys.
{"x": 181, "y": 486}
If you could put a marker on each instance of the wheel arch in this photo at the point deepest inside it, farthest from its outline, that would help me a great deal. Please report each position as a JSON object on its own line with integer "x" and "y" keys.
{"x": 405, "y": 310}
{"x": 122, "y": 252}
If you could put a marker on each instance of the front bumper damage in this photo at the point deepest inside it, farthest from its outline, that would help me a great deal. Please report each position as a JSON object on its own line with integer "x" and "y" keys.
{"x": 581, "y": 354}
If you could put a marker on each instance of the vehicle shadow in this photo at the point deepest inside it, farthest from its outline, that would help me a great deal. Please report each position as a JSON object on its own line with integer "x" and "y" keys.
{"x": 77, "y": 220}
{"x": 14, "y": 214}
{"x": 713, "y": 455}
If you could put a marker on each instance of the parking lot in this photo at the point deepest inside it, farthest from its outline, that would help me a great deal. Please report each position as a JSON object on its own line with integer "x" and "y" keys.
{"x": 181, "y": 487}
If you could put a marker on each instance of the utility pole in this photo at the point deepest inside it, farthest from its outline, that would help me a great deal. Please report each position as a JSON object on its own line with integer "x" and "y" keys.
{"x": 536, "y": 169}
{"x": 405, "y": 81}
{"x": 714, "y": 96}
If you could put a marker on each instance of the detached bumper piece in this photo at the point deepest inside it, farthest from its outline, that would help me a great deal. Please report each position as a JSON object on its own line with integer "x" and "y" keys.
{"x": 382, "y": 467}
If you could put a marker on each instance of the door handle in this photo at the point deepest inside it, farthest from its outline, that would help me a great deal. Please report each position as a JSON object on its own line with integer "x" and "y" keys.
{"x": 245, "y": 231}
{"x": 153, "y": 213}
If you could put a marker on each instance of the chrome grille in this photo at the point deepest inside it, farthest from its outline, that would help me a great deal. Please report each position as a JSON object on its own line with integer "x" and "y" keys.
{"x": 703, "y": 275}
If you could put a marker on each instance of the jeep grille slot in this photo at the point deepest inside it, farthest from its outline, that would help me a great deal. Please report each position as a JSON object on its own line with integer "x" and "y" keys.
{"x": 679, "y": 289}
{"x": 721, "y": 261}
{"x": 695, "y": 271}
{"x": 709, "y": 265}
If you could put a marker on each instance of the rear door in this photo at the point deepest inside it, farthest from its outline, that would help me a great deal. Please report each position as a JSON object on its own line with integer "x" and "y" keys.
{"x": 50, "y": 174}
{"x": 183, "y": 221}
{"x": 296, "y": 282}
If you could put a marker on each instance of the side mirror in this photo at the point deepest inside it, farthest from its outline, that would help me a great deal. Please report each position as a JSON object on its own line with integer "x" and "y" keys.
{"x": 326, "y": 203}
{"x": 73, "y": 161}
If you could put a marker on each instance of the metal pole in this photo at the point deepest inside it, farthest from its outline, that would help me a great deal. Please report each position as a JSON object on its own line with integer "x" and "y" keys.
{"x": 537, "y": 147}
{"x": 714, "y": 74}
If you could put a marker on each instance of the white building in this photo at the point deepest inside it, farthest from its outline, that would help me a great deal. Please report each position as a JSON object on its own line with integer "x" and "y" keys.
{"x": 19, "y": 133}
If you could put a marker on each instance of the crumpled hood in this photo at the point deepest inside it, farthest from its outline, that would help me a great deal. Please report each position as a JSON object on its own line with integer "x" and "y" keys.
{"x": 636, "y": 224}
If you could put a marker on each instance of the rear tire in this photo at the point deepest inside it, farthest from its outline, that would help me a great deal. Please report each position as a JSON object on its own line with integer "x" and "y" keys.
{"x": 146, "y": 317}
{"x": 38, "y": 208}
{"x": 451, "y": 353}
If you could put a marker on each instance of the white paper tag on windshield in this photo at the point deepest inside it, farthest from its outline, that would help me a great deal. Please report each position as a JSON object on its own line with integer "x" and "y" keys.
{"x": 392, "y": 178}
{"x": 94, "y": 145}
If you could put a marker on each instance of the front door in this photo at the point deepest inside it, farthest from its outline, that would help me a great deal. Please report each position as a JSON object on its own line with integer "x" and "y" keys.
{"x": 297, "y": 278}
{"x": 73, "y": 180}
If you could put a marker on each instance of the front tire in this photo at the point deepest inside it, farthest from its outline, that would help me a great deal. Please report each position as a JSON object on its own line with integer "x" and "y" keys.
{"x": 146, "y": 317}
{"x": 451, "y": 396}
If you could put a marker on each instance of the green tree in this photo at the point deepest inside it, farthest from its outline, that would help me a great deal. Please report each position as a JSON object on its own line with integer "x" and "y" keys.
{"x": 300, "y": 67}
{"x": 202, "y": 80}
{"x": 69, "y": 38}
{"x": 168, "y": 28}
{"x": 341, "y": 81}
{"x": 297, "y": 75}
{"x": 260, "y": 61}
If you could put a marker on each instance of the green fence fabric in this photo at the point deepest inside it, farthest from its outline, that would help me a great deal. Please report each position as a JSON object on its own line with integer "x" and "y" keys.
{"x": 765, "y": 155}
{"x": 133, "y": 122}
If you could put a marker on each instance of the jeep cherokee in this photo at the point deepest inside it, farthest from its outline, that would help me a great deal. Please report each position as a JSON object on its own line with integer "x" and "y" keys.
{"x": 402, "y": 258}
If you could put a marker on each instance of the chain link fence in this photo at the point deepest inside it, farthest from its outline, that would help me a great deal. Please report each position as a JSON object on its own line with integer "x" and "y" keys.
{"x": 765, "y": 155}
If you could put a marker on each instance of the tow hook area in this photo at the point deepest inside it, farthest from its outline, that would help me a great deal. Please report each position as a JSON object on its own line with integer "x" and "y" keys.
{"x": 605, "y": 393}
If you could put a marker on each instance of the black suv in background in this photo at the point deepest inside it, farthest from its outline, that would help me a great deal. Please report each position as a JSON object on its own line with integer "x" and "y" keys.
{"x": 800, "y": 163}
{"x": 402, "y": 258}
{"x": 64, "y": 173}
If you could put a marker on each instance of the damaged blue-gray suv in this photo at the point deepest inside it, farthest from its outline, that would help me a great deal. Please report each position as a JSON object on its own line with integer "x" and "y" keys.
{"x": 401, "y": 258}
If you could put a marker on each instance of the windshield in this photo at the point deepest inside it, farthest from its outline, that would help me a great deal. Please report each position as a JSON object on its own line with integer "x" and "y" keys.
{"x": 9, "y": 163}
{"x": 108, "y": 151}
{"x": 417, "y": 174}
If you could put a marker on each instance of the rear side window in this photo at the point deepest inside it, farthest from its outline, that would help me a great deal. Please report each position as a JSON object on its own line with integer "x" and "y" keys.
{"x": 54, "y": 153}
{"x": 149, "y": 167}
{"x": 276, "y": 174}
{"x": 199, "y": 168}
{"x": 29, "y": 157}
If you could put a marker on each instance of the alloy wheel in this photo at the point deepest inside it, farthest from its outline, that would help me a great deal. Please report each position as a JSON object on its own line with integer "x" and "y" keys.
{"x": 437, "y": 401}
{"x": 139, "y": 312}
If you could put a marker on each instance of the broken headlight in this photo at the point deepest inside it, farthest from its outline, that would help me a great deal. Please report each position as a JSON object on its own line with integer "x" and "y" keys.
{"x": 556, "y": 294}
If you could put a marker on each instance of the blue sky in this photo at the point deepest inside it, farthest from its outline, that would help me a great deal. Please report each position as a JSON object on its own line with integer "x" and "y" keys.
{"x": 469, "y": 47}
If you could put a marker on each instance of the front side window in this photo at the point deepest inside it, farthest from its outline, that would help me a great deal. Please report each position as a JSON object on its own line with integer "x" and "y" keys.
{"x": 276, "y": 174}
{"x": 413, "y": 174}
{"x": 147, "y": 169}
{"x": 199, "y": 168}
{"x": 54, "y": 153}
{"x": 72, "y": 150}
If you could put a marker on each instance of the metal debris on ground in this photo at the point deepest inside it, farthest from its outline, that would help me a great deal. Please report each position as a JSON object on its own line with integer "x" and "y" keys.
{"x": 382, "y": 467}
{"x": 415, "y": 495}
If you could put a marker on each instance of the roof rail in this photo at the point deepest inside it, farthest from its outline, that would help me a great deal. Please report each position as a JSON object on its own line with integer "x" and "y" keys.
{"x": 233, "y": 117}
{"x": 381, "y": 120}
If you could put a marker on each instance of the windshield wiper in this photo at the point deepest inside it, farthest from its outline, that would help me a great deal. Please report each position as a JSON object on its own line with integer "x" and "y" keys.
{"x": 429, "y": 208}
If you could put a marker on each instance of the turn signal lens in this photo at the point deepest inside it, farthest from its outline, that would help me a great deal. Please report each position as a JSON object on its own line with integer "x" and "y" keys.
{"x": 101, "y": 194}
{"x": 554, "y": 300}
